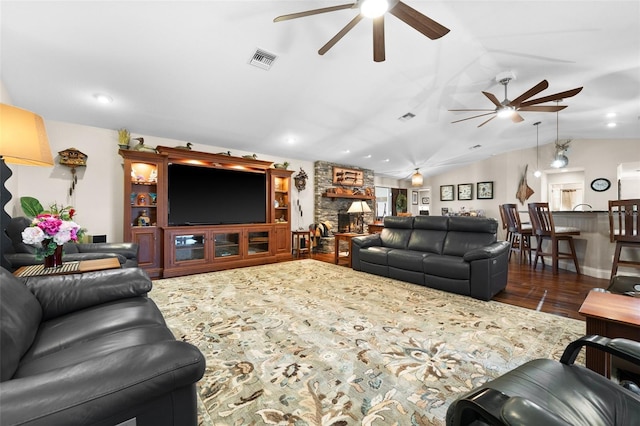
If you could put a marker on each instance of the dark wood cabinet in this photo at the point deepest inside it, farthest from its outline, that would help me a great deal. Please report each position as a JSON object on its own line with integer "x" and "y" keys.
{"x": 167, "y": 251}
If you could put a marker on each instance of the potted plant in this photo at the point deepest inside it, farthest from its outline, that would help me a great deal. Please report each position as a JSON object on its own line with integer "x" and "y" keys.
{"x": 124, "y": 138}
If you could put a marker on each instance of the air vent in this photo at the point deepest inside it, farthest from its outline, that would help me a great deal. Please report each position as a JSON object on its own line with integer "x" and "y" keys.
{"x": 263, "y": 59}
{"x": 408, "y": 116}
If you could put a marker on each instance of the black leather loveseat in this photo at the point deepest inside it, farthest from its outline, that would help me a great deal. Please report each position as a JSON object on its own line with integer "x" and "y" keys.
{"x": 456, "y": 254}
{"x": 21, "y": 254}
{"x": 91, "y": 349}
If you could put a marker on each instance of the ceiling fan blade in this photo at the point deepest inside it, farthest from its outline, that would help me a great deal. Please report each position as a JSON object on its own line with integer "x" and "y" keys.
{"x": 516, "y": 118}
{"x": 336, "y": 38}
{"x": 378, "y": 39}
{"x": 314, "y": 12}
{"x": 493, "y": 99}
{"x": 529, "y": 93}
{"x": 554, "y": 97}
{"x": 543, "y": 108}
{"x": 471, "y": 110}
{"x": 417, "y": 20}
{"x": 488, "y": 120}
{"x": 475, "y": 116}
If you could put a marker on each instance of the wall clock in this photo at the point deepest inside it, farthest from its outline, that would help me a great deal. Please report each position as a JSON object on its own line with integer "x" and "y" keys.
{"x": 600, "y": 184}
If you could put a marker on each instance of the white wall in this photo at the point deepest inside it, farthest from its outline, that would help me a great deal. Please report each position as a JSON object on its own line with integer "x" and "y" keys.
{"x": 98, "y": 197}
{"x": 597, "y": 157}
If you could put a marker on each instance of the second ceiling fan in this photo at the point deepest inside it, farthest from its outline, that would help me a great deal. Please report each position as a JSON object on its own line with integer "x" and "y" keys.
{"x": 400, "y": 10}
{"x": 508, "y": 108}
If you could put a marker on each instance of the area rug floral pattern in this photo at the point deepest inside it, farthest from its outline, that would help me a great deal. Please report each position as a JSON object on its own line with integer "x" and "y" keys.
{"x": 310, "y": 343}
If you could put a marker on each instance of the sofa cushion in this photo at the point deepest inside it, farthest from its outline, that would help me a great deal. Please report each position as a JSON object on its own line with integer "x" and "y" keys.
{"x": 99, "y": 346}
{"x": 409, "y": 260}
{"x": 14, "y": 232}
{"x": 468, "y": 233}
{"x": 396, "y": 231}
{"x": 453, "y": 267}
{"x": 20, "y": 315}
{"x": 89, "y": 323}
{"x": 376, "y": 255}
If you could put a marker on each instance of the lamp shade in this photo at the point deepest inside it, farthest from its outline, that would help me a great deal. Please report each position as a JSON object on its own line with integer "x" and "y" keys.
{"x": 359, "y": 207}
{"x": 416, "y": 179}
{"x": 23, "y": 138}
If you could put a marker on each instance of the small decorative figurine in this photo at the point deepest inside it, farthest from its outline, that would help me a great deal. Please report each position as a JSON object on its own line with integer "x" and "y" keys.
{"x": 143, "y": 219}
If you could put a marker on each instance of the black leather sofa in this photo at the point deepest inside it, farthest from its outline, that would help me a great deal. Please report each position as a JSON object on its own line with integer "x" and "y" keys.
{"x": 547, "y": 392}
{"x": 92, "y": 349}
{"x": 21, "y": 254}
{"x": 456, "y": 254}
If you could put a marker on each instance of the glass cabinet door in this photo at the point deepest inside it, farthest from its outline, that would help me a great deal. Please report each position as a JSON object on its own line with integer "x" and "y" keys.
{"x": 257, "y": 243}
{"x": 226, "y": 244}
{"x": 189, "y": 247}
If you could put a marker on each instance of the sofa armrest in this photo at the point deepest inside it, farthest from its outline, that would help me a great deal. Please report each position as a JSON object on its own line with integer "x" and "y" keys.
{"x": 101, "y": 387}
{"x": 61, "y": 294}
{"x": 365, "y": 241}
{"x": 487, "y": 252}
{"x": 128, "y": 250}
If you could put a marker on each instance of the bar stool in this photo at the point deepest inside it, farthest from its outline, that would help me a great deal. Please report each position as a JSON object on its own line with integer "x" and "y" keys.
{"x": 519, "y": 234}
{"x": 505, "y": 226}
{"x": 624, "y": 230}
{"x": 544, "y": 229}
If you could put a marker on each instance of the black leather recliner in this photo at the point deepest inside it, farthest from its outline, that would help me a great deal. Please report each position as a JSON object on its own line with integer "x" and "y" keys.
{"x": 547, "y": 392}
{"x": 92, "y": 349}
{"x": 21, "y": 254}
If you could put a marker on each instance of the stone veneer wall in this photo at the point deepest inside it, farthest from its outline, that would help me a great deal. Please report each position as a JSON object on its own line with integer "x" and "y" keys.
{"x": 327, "y": 209}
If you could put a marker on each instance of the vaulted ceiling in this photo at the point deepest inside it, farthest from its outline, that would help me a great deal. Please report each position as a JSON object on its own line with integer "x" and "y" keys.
{"x": 180, "y": 69}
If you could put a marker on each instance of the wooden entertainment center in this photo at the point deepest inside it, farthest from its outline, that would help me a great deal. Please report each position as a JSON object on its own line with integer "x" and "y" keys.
{"x": 169, "y": 251}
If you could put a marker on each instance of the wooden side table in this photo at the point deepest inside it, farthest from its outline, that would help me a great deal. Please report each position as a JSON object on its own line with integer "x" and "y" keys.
{"x": 75, "y": 268}
{"x": 375, "y": 228}
{"x": 343, "y": 236}
{"x": 610, "y": 315}
{"x": 296, "y": 243}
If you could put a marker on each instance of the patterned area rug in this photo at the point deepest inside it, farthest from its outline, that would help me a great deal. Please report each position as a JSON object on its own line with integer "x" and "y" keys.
{"x": 311, "y": 343}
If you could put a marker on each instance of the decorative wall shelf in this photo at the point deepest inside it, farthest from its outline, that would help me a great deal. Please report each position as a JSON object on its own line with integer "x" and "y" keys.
{"x": 351, "y": 196}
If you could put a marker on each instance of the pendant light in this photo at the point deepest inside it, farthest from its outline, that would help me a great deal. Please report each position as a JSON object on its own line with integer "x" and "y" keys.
{"x": 537, "y": 173}
{"x": 416, "y": 179}
{"x": 559, "y": 159}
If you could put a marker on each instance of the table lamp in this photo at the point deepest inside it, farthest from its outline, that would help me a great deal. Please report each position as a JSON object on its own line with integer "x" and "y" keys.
{"x": 23, "y": 140}
{"x": 360, "y": 207}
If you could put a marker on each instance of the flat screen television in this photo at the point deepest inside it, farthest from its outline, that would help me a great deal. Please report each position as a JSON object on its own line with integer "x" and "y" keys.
{"x": 208, "y": 196}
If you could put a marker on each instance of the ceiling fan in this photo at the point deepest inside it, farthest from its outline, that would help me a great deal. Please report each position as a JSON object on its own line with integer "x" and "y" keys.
{"x": 508, "y": 108}
{"x": 376, "y": 10}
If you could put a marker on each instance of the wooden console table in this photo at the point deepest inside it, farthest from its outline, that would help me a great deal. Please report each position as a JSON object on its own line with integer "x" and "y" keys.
{"x": 343, "y": 236}
{"x": 610, "y": 315}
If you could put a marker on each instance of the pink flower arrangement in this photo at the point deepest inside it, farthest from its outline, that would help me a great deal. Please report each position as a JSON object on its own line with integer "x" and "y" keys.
{"x": 50, "y": 228}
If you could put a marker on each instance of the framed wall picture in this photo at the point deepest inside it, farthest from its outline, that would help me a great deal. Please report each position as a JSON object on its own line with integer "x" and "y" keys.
{"x": 447, "y": 193}
{"x": 414, "y": 198}
{"x": 425, "y": 200}
{"x": 348, "y": 177}
{"x": 484, "y": 190}
{"x": 465, "y": 191}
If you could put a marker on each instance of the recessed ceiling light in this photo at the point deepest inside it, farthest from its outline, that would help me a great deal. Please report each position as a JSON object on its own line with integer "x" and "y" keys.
{"x": 367, "y": 156}
{"x": 611, "y": 114}
{"x": 611, "y": 124}
{"x": 291, "y": 140}
{"x": 347, "y": 151}
{"x": 102, "y": 98}
{"x": 386, "y": 160}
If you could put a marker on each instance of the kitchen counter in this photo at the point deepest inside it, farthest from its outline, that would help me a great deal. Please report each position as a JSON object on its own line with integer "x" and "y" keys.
{"x": 593, "y": 247}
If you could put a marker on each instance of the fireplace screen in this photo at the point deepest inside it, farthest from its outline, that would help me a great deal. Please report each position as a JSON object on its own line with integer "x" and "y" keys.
{"x": 347, "y": 222}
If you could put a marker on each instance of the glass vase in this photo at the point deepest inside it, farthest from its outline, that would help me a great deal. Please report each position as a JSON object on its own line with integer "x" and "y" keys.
{"x": 54, "y": 260}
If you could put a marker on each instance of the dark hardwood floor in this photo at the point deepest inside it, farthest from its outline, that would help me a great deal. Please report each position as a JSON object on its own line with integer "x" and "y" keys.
{"x": 538, "y": 289}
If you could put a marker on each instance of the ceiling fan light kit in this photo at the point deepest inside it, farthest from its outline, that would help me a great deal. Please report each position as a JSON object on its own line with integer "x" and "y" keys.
{"x": 374, "y": 8}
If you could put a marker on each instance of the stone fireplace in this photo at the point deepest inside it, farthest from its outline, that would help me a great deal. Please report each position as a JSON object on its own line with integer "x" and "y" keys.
{"x": 333, "y": 210}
